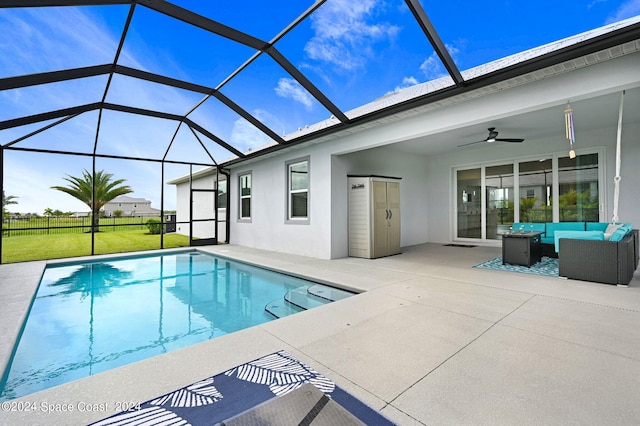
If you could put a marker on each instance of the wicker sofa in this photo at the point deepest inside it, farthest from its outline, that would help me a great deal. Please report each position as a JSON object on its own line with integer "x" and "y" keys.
{"x": 599, "y": 261}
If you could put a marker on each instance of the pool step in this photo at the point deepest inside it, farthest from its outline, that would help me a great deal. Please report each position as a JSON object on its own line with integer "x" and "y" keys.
{"x": 305, "y": 297}
{"x": 280, "y": 308}
{"x": 330, "y": 293}
{"x": 301, "y": 298}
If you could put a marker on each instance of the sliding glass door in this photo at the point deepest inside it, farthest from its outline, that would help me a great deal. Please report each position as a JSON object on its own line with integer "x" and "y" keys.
{"x": 578, "y": 199}
{"x": 469, "y": 184}
{"x": 500, "y": 200}
{"x": 535, "y": 195}
{"x": 490, "y": 198}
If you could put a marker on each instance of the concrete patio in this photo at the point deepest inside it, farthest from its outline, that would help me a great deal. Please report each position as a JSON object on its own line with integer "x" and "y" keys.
{"x": 430, "y": 340}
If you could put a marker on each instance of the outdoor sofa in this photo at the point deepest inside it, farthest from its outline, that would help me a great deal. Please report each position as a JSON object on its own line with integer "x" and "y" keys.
{"x": 590, "y": 251}
{"x": 602, "y": 261}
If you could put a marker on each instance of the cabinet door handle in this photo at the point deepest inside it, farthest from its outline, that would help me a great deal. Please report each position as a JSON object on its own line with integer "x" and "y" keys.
{"x": 390, "y": 214}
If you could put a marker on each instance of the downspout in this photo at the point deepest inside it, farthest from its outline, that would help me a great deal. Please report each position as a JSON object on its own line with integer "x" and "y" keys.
{"x": 2, "y": 197}
{"x": 228, "y": 213}
{"x": 162, "y": 207}
{"x": 190, "y": 204}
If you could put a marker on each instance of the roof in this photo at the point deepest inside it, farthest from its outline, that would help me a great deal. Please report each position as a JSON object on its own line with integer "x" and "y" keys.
{"x": 125, "y": 199}
{"x": 204, "y": 172}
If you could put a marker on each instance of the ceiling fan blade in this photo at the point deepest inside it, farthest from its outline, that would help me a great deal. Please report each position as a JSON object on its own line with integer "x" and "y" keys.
{"x": 471, "y": 143}
{"x": 509, "y": 140}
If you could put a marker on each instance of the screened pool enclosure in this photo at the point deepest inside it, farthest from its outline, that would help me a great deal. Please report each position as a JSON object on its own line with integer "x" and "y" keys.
{"x": 149, "y": 90}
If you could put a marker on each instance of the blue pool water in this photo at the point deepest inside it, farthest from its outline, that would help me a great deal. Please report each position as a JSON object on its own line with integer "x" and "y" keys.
{"x": 92, "y": 317}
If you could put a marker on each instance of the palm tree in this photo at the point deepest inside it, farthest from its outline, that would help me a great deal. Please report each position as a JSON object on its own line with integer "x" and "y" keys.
{"x": 106, "y": 190}
{"x": 6, "y": 200}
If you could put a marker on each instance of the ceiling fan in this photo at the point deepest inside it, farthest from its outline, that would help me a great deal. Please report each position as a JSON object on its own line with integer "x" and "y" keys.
{"x": 493, "y": 133}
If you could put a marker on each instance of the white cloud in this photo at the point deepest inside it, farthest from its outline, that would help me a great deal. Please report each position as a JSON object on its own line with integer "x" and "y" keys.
{"x": 626, "y": 10}
{"x": 343, "y": 37}
{"x": 406, "y": 82}
{"x": 46, "y": 39}
{"x": 594, "y": 2}
{"x": 432, "y": 67}
{"x": 245, "y": 136}
{"x": 290, "y": 88}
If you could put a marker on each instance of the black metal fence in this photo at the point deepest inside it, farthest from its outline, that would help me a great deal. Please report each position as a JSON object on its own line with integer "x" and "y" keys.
{"x": 12, "y": 227}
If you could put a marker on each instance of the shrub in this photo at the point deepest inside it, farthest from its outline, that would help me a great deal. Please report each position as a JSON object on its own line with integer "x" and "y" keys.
{"x": 154, "y": 225}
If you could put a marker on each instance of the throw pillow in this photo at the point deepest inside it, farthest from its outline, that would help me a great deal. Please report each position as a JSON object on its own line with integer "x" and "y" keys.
{"x": 611, "y": 228}
{"x": 620, "y": 233}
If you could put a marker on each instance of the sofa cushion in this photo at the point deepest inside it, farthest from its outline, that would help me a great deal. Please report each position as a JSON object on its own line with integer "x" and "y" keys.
{"x": 577, "y": 235}
{"x": 552, "y": 227}
{"x": 597, "y": 226}
{"x": 621, "y": 232}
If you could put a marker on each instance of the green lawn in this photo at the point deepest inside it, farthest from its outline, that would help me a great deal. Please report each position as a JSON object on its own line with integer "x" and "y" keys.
{"x": 41, "y": 247}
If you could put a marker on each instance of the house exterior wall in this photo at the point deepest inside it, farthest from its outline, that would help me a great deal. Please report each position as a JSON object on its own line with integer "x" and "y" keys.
{"x": 426, "y": 187}
{"x": 268, "y": 228}
{"x": 201, "y": 211}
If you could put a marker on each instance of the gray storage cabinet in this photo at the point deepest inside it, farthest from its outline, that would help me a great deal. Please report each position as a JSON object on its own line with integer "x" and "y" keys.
{"x": 374, "y": 216}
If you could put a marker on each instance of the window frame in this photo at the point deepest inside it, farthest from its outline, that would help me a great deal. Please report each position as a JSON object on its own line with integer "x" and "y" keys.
{"x": 241, "y": 218}
{"x": 289, "y": 192}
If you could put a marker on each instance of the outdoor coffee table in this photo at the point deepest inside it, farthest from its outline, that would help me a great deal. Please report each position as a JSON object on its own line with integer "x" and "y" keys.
{"x": 521, "y": 248}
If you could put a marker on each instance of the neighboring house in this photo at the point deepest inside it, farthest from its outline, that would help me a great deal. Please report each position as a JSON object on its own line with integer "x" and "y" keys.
{"x": 129, "y": 206}
{"x": 81, "y": 214}
{"x": 294, "y": 200}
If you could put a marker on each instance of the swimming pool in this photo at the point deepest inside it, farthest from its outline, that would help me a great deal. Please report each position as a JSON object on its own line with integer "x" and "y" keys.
{"x": 91, "y": 317}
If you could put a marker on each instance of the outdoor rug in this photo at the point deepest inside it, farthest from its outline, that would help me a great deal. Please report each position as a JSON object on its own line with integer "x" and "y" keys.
{"x": 548, "y": 266}
{"x": 218, "y": 398}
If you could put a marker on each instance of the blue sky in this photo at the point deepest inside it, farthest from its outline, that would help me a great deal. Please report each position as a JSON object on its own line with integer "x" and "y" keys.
{"x": 355, "y": 52}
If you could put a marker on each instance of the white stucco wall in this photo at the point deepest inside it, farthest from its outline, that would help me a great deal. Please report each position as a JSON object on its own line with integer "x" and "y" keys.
{"x": 383, "y": 161}
{"x": 202, "y": 229}
{"x": 268, "y": 228}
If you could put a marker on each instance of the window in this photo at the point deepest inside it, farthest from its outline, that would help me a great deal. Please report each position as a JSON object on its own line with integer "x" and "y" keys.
{"x": 222, "y": 194}
{"x": 298, "y": 191}
{"x": 469, "y": 186}
{"x": 245, "y": 196}
{"x": 499, "y": 210}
